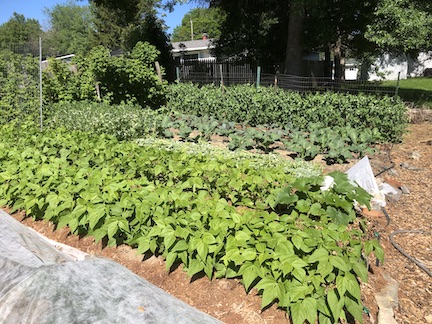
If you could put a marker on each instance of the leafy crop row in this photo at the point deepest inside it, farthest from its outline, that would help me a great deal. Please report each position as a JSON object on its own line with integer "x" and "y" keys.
{"x": 279, "y": 233}
{"x": 126, "y": 121}
{"x": 336, "y": 143}
{"x": 270, "y": 106}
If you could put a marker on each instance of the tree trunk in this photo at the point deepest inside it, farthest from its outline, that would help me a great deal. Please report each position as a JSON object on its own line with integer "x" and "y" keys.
{"x": 338, "y": 60}
{"x": 294, "y": 50}
{"x": 328, "y": 66}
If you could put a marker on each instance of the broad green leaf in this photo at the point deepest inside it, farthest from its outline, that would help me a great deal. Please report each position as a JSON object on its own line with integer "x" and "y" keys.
{"x": 352, "y": 285}
{"x": 260, "y": 247}
{"x": 208, "y": 238}
{"x": 341, "y": 285}
{"x": 354, "y": 308}
{"x": 299, "y": 263}
{"x": 242, "y": 236}
{"x": 361, "y": 271}
{"x": 73, "y": 225}
{"x": 298, "y": 292}
{"x": 249, "y": 276}
{"x": 338, "y": 262}
{"x": 335, "y": 304}
{"x": 298, "y": 313}
{"x": 249, "y": 254}
{"x": 143, "y": 245}
{"x": 316, "y": 210}
{"x": 112, "y": 228}
{"x": 202, "y": 250}
{"x": 297, "y": 241}
{"x": 194, "y": 267}
{"x": 299, "y": 274}
{"x": 286, "y": 198}
{"x": 303, "y": 205}
{"x": 320, "y": 255}
{"x": 95, "y": 213}
{"x": 170, "y": 259}
{"x": 310, "y": 307}
{"x": 180, "y": 246}
{"x": 268, "y": 296}
{"x": 337, "y": 216}
{"x": 169, "y": 236}
{"x": 323, "y": 319}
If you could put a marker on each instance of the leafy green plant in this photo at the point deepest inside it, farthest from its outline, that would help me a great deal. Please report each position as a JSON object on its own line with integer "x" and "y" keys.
{"x": 277, "y": 232}
{"x": 129, "y": 78}
{"x": 124, "y": 121}
{"x": 269, "y": 106}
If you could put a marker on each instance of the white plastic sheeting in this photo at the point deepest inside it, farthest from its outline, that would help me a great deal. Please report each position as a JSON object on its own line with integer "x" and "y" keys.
{"x": 42, "y": 284}
{"x": 362, "y": 174}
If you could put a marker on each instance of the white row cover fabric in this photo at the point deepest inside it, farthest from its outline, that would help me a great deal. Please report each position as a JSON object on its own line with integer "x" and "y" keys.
{"x": 41, "y": 284}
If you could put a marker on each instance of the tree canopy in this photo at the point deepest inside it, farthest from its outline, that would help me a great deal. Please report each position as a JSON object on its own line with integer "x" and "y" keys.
{"x": 275, "y": 32}
{"x": 205, "y": 21}
{"x": 402, "y": 25}
{"x": 20, "y": 31}
{"x": 71, "y": 29}
{"x": 121, "y": 24}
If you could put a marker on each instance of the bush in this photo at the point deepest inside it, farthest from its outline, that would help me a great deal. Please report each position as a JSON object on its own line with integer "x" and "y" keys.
{"x": 270, "y": 106}
{"x": 128, "y": 78}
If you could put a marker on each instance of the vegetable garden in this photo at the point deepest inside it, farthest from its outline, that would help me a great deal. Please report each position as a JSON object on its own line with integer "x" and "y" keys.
{"x": 106, "y": 169}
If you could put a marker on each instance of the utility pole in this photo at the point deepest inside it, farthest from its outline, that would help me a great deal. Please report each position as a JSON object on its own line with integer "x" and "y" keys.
{"x": 191, "y": 23}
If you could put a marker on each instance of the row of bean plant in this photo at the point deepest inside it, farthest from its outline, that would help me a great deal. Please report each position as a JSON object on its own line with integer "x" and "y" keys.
{"x": 299, "y": 246}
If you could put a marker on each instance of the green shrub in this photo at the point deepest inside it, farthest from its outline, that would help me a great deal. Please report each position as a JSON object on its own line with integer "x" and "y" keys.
{"x": 128, "y": 78}
{"x": 286, "y": 109}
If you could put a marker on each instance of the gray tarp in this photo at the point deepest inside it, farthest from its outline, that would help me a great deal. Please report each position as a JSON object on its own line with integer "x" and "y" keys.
{"x": 40, "y": 283}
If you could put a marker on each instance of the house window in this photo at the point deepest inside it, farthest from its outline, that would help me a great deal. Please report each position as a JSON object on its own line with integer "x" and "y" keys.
{"x": 188, "y": 57}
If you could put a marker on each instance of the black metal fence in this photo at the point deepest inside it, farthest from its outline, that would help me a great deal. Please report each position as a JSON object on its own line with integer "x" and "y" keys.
{"x": 208, "y": 72}
{"x": 228, "y": 73}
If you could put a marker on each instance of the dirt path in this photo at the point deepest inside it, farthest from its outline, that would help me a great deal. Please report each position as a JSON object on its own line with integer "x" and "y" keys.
{"x": 226, "y": 299}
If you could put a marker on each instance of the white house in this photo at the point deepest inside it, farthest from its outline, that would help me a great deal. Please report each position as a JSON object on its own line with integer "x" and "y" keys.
{"x": 352, "y": 69}
{"x": 389, "y": 66}
{"x": 193, "y": 50}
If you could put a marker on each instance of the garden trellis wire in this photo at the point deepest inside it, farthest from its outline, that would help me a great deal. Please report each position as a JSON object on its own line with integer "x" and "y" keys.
{"x": 20, "y": 81}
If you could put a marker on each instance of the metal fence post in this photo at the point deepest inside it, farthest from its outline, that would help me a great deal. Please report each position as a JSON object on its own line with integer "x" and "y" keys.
{"x": 397, "y": 87}
{"x": 258, "y": 76}
{"x": 221, "y": 75}
{"x": 178, "y": 74}
{"x": 40, "y": 84}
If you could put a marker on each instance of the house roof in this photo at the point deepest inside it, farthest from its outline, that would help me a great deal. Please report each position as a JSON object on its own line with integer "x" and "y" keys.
{"x": 195, "y": 45}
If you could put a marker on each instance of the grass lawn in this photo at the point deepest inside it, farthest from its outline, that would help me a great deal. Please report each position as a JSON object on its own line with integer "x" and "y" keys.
{"x": 415, "y": 90}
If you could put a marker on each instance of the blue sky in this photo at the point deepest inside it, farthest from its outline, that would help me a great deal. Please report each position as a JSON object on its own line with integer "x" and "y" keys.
{"x": 35, "y": 9}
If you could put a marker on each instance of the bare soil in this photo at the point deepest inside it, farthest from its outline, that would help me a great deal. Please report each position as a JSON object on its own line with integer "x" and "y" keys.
{"x": 227, "y": 300}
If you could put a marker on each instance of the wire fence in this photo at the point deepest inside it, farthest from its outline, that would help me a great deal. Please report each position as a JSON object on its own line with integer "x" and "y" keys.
{"x": 211, "y": 72}
{"x": 20, "y": 82}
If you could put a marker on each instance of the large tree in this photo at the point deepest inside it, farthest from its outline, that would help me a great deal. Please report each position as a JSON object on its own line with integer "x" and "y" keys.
{"x": 118, "y": 21}
{"x": 337, "y": 27}
{"x": 120, "y": 24}
{"x": 20, "y": 33}
{"x": 71, "y": 29}
{"x": 402, "y": 25}
{"x": 204, "y": 21}
{"x": 277, "y": 32}
{"x": 254, "y": 31}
